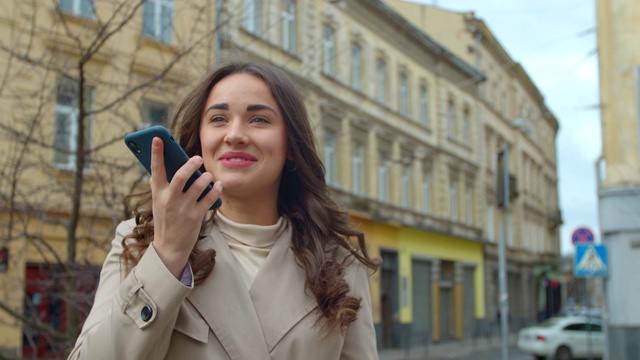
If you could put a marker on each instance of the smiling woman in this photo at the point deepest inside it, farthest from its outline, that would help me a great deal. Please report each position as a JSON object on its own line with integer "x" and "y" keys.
{"x": 244, "y": 145}
{"x": 277, "y": 272}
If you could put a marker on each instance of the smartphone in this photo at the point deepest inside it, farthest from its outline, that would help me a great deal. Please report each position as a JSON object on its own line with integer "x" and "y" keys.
{"x": 139, "y": 143}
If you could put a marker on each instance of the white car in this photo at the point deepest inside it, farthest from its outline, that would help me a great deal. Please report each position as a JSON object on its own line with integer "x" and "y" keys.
{"x": 563, "y": 338}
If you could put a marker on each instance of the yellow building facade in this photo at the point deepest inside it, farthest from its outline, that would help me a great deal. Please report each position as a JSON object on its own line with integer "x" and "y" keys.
{"x": 512, "y": 112}
{"x": 63, "y": 193}
{"x": 619, "y": 169}
{"x": 403, "y": 124}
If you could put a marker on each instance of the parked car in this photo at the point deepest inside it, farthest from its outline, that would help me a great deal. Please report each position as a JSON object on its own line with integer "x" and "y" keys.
{"x": 581, "y": 311}
{"x": 563, "y": 338}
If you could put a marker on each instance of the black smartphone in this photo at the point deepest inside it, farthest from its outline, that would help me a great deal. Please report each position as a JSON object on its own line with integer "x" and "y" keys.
{"x": 139, "y": 143}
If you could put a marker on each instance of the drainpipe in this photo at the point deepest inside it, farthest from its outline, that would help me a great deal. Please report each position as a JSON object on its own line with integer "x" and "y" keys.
{"x": 218, "y": 38}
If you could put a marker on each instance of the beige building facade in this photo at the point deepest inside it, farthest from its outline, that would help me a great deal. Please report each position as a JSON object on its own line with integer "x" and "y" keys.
{"x": 511, "y": 111}
{"x": 382, "y": 95}
{"x": 619, "y": 169}
{"x": 407, "y": 125}
{"x": 61, "y": 193}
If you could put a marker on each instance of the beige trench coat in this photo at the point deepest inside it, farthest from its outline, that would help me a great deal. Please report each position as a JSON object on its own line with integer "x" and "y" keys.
{"x": 151, "y": 315}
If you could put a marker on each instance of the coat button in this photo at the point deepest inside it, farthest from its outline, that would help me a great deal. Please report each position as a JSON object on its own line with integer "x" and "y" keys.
{"x": 146, "y": 313}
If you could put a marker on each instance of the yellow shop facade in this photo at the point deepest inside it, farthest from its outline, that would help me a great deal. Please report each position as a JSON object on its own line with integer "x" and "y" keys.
{"x": 429, "y": 288}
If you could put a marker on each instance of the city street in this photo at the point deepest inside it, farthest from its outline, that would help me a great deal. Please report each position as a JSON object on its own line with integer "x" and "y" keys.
{"x": 460, "y": 353}
{"x": 494, "y": 354}
{"x": 480, "y": 349}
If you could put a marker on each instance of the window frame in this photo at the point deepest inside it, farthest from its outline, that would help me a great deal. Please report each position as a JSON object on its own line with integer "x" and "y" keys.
{"x": 158, "y": 30}
{"x": 405, "y": 183}
{"x": 381, "y": 80}
{"x": 453, "y": 199}
{"x": 357, "y": 165}
{"x": 466, "y": 124}
{"x": 76, "y": 7}
{"x": 426, "y": 191}
{"x": 289, "y": 26}
{"x": 424, "y": 105}
{"x": 383, "y": 178}
{"x": 330, "y": 159}
{"x": 356, "y": 66}
{"x": 468, "y": 199}
{"x": 65, "y": 150}
{"x": 147, "y": 120}
{"x": 451, "y": 118}
{"x": 328, "y": 50}
{"x": 252, "y": 16}
{"x": 403, "y": 94}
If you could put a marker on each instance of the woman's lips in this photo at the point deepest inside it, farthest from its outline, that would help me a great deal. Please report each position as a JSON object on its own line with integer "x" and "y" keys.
{"x": 237, "y": 159}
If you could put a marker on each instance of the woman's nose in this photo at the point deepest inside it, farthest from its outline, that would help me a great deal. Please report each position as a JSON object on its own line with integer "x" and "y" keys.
{"x": 236, "y": 133}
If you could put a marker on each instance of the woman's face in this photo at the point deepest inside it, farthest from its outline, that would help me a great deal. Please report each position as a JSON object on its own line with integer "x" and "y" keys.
{"x": 243, "y": 137}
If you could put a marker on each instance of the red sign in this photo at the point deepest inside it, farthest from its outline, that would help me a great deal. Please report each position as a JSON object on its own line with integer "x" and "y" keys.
{"x": 582, "y": 235}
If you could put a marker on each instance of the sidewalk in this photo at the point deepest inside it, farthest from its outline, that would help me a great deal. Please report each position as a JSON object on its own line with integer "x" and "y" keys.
{"x": 447, "y": 350}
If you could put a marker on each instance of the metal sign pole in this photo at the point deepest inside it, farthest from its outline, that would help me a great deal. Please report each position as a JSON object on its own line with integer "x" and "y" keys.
{"x": 503, "y": 172}
{"x": 587, "y": 305}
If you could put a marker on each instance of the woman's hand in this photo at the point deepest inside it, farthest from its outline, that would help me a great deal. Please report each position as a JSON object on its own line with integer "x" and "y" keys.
{"x": 177, "y": 215}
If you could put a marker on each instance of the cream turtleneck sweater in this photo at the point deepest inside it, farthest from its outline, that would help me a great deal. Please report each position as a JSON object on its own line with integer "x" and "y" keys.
{"x": 250, "y": 244}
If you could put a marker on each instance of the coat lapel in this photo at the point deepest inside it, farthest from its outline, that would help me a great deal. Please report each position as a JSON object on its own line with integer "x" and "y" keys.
{"x": 278, "y": 292}
{"x": 224, "y": 302}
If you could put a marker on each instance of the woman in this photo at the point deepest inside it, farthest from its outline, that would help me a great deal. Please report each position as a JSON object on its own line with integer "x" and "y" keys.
{"x": 272, "y": 274}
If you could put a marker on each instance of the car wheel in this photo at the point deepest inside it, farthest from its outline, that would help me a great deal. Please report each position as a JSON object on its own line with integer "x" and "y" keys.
{"x": 563, "y": 353}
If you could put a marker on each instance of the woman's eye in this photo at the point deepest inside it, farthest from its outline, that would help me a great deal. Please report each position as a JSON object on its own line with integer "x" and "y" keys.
{"x": 216, "y": 119}
{"x": 259, "y": 119}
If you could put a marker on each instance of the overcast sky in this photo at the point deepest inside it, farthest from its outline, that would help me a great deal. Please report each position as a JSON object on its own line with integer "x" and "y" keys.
{"x": 555, "y": 41}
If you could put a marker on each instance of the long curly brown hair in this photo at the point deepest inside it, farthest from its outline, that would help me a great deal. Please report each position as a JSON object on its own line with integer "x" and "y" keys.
{"x": 319, "y": 227}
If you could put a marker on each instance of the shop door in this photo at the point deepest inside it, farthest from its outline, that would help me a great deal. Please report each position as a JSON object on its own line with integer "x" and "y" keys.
{"x": 389, "y": 298}
{"x": 421, "y": 326}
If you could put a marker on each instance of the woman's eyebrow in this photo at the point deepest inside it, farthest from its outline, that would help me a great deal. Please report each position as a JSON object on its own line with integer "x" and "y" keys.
{"x": 221, "y": 106}
{"x": 257, "y": 107}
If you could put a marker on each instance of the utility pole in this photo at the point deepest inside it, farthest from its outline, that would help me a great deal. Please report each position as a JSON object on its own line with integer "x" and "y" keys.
{"x": 503, "y": 202}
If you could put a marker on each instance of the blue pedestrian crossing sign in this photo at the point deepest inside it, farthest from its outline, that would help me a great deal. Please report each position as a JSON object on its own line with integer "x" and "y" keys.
{"x": 591, "y": 261}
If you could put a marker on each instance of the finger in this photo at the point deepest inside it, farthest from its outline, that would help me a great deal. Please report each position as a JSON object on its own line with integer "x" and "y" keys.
{"x": 212, "y": 196}
{"x": 158, "y": 172}
{"x": 185, "y": 172}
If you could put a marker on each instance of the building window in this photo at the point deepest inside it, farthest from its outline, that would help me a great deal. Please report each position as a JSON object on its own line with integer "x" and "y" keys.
{"x": 289, "y": 26}
{"x": 383, "y": 178}
{"x": 158, "y": 20}
{"x": 47, "y": 300}
{"x": 330, "y": 157}
{"x": 252, "y": 21}
{"x": 358, "y": 168}
{"x": 403, "y": 95}
{"x": 67, "y": 126}
{"x": 405, "y": 193}
{"x": 85, "y": 8}
{"x": 426, "y": 192}
{"x": 381, "y": 73}
{"x": 154, "y": 113}
{"x": 424, "y": 106}
{"x": 451, "y": 118}
{"x": 329, "y": 50}
{"x": 466, "y": 123}
{"x": 356, "y": 66}
{"x": 468, "y": 199}
{"x": 453, "y": 199}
